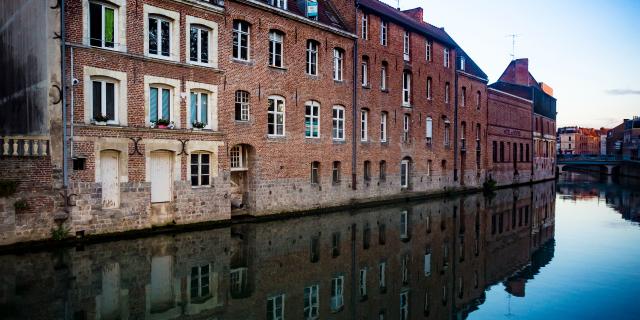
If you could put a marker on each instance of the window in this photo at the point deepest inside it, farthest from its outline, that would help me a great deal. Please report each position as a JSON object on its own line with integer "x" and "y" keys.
{"x": 501, "y": 151}
{"x": 383, "y": 126}
{"x": 335, "y": 176}
{"x": 241, "y": 40}
{"x": 365, "y": 71}
{"x": 237, "y": 281}
{"x": 364, "y": 132}
{"x": 275, "y": 49}
{"x": 365, "y": 26}
{"x": 282, "y": 4}
{"x": 242, "y": 105}
{"x": 311, "y": 302}
{"x": 275, "y": 307}
{"x": 527, "y": 155}
{"x": 159, "y": 103}
{"x": 429, "y": 130}
{"x": 199, "y": 44}
{"x": 338, "y": 123}
{"x": 406, "y": 45}
{"x": 446, "y": 57}
{"x": 462, "y": 63}
{"x": 478, "y": 99}
{"x": 427, "y": 263}
{"x": 478, "y": 135}
{"x": 404, "y": 306}
{"x": 382, "y": 277}
{"x": 405, "y": 128}
{"x": 199, "y": 107}
{"x": 200, "y": 281}
{"x": 312, "y": 57}
{"x": 384, "y": 27}
{"x": 463, "y": 133}
{"x": 312, "y": 119}
{"x": 495, "y": 151}
{"x": 463, "y": 97}
{"x": 406, "y": 89}
{"x": 404, "y": 173}
{"x": 447, "y": 127}
{"x": 337, "y": 296}
{"x": 446, "y": 92}
{"x": 363, "y": 283}
{"x": 276, "y": 116}
{"x": 315, "y": 249}
{"x": 404, "y": 224}
{"x": 367, "y": 170}
{"x": 200, "y": 169}
{"x": 104, "y": 99}
{"x": 383, "y": 76}
{"x": 429, "y": 89}
{"x": 102, "y": 25}
{"x": 429, "y": 50}
{"x": 238, "y": 158}
{"x": 159, "y": 36}
{"x": 382, "y": 237}
{"x": 335, "y": 244}
{"x": 429, "y": 165}
{"x": 315, "y": 172}
{"x": 521, "y": 152}
{"x": 338, "y": 63}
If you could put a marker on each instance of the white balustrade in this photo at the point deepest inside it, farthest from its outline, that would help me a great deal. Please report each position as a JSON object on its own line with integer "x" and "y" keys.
{"x": 24, "y": 146}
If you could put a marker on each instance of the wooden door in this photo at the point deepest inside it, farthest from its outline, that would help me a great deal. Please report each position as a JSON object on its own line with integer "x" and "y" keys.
{"x": 161, "y": 176}
{"x": 110, "y": 177}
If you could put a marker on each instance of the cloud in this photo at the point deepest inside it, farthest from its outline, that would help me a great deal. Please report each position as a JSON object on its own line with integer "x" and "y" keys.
{"x": 622, "y": 92}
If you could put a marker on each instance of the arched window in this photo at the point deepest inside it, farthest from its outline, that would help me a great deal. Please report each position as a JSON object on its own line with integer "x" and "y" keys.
{"x": 200, "y": 42}
{"x": 338, "y": 63}
{"x": 405, "y": 174}
{"x": 429, "y": 130}
{"x": 364, "y": 71}
{"x": 447, "y": 91}
{"x": 338, "y": 123}
{"x": 276, "y": 116}
{"x": 383, "y": 170}
{"x": 312, "y": 119}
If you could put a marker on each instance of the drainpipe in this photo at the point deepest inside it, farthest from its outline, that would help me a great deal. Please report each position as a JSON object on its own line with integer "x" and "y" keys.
{"x": 533, "y": 128}
{"x": 354, "y": 113}
{"x": 71, "y": 105}
{"x": 455, "y": 124}
{"x": 63, "y": 85}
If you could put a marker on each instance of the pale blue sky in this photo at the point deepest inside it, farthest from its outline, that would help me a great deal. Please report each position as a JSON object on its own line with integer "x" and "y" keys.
{"x": 588, "y": 51}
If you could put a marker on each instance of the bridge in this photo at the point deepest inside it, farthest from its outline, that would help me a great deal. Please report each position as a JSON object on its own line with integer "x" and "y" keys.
{"x": 610, "y": 162}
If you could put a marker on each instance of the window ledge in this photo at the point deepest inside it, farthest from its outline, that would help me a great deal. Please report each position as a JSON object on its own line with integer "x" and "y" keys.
{"x": 408, "y": 106}
{"x": 312, "y": 76}
{"x": 366, "y": 86}
{"x": 276, "y": 138}
{"x": 200, "y": 64}
{"x": 244, "y": 122}
{"x": 276, "y": 68}
{"x": 338, "y": 81}
{"x": 201, "y": 187}
{"x": 339, "y": 141}
{"x": 245, "y": 62}
{"x": 160, "y": 57}
{"x": 384, "y": 90}
{"x": 384, "y": 143}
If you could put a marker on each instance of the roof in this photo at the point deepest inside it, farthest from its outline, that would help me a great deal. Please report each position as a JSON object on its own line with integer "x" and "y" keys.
{"x": 327, "y": 13}
{"x": 424, "y": 28}
{"x": 514, "y": 89}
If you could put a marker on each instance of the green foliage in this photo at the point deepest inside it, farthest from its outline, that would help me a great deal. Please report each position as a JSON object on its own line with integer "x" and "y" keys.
{"x": 59, "y": 233}
{"x": 198, "y": 125}
{"x": 21, "y": 204}
{"x": 100, "y": 118}
{"x": 7, "y": 188}
{"x": 162, "y": 122}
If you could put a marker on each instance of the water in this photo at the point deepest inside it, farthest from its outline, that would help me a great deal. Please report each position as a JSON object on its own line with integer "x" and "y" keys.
{"x": 524, "y": 253}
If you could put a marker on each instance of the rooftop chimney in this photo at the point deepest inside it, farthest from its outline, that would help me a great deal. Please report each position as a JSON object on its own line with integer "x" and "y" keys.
{"x": 522, "y": 71}
{"x": 416, "y": 13}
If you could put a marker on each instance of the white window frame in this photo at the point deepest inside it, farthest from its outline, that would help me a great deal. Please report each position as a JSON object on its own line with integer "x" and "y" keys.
{"x": 273, "y": 300}
{"x": 160, "y": 87}
{"x": 478, "y": 100}
{"x": 462, "y": 63}
{"x": 382, "y": 274}
{"x": 447, "y": 90}
{"x": 337, "y": 293}
{"x": 404, "y": 173}
{"x": 242, "y": 97}
{"x": 365, "y": 72}
{"x": 103, "y": 97}
{"x": 116, "y": 17}
{"x": 312, "y": 57}
{"x": 199, "y": 175}
{"x": 463, "y": 97}
{"x": 384, "y": 31}
{"x": 404, "y": 308}
{"x": 429, "y": 88}
{"x": 404, "y": 220}
{"x": 159, "y": 19}
{"x": 200, "y": 30}
{"x": 200, "y": 282}
{"x": 383, "y": 77}
{"x": 239, "y": 33}
{"x": 238, "y": 158}
{"x": 406, "y": 125}
{"x": 447, "y": 138}
{"x": 363, "y": 282}
{"x": 275, "y": 114}
{"x": 276, "y": 38}
{"x": 338, "y": 123}
{"x": 199, "y": 93}
{"x": 446, "y": 57}
{"x": 338, "y": 64}
{"x": 310, "y": 118}
{"x": 281, "y": 4}
{"x": 429, "y": 130}
{"x": 311, "y": 309}
{"x": 406, "y": 46}
{"x": 365, "y": 26}
{"x": 383, "y": 126}
{"x": 364, "y": 125}
{"x": 427, "y": 264}
{"x": 406, "y": 89}
{"x": 429, "y": 51}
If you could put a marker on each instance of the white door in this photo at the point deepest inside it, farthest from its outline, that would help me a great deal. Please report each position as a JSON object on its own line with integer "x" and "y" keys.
{"x": 161, "y": 176}
{"x": 109, "y": 176}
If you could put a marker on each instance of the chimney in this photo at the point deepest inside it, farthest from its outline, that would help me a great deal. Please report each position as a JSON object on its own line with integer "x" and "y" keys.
{"x": 416, "y": 14}
{"x": 522, "y": 71}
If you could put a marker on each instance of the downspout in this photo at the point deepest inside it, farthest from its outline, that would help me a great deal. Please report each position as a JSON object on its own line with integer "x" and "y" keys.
{"x": 71, "y": 105}
{"x": 533, "y": 128}
{"x": 455, "y": 124}
{"x": 354, "y": 113}
{"x": 65, "y": 173}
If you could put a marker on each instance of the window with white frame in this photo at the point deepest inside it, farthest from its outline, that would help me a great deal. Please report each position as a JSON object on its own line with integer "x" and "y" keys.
{"x": 478, "y": 99}
{"x": 447, "y": 127}
{"x": 365, "y": 26}
{"x": 365, "y": 71}
{"x": 200, "y": 282}
{"x": 447, "y": 90}
{"x": 383, "y": 126}
{"x": 242, "y": 105}
{"x": 238, "y": 158}
{"x": 338, "y": 123}
{"x": 406, "y": 124}
{"x": 199, "y": 37}
{"x": 363, "y": 283}
{"x": 337, "y": 294}
{"x": 382, "y": 275}
{"x": 446, "y": 57}
{"x": 103, "y": 21}
{"x": 160, "y": 36}
{"x": 282, "y": 4}
{"x": 406, "y": 46}
{"x": 275, "y": 307}
{"x": 104, "y": 96}
{"x": 338, "y": 63}
{"x": 237, "y": 281}
{"x": 404, "y": 223}
{"x": 312, "y": 119}
{"x": 427, "y": 263}
{"x": 383, "y": 76}
{"x": 429, "y": 130}
{"x": 404, "y": 269}
{"x": 199, "y": 109}
{"x": 462, "y": 63}
{"x": 404, "y": 305}
{"x": 463, "y": 96}
{"x": 311, "y": 302}
{"x": 241, "y": 32}
{"x": 384, "y": 29}
{"x": 200, "y": 169}
{"x": 406, "y": 88}
{"x": 429, "y": 165}
{"x": 276, "y": 116}
{"x": 429, "y": 88}
{"x": 429, "y": 50}
{"x": 404, "y": 173}
{"x": 364, "y": 125}
{"x": 315, "y": 172}
{"x": 336, "y": 172}
{"x": 312, "y": 57}
{"x": 276, "y": 48}
{"x": 160, "y": 103}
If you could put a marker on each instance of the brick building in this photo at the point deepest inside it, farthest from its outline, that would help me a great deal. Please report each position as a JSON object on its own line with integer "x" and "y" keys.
{"x": 576, "y": 140}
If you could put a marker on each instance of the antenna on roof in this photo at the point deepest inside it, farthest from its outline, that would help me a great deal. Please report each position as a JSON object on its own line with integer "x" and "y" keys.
{"x": 513, "y": 44}
{"x": 398, "y": 4}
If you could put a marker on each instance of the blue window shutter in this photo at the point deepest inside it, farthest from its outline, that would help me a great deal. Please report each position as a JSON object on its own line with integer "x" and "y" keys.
{"x": 203, "y": 108}
{"x": 153, "y": 104}
{"x": 194, "y": 109}
{"x": 165, "y": 105}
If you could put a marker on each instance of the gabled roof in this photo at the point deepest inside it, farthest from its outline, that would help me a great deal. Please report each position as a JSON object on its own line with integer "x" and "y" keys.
{"x": 514, "y": 89}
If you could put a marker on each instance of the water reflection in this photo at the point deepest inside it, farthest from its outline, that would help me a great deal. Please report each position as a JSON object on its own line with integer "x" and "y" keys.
{"x": 431, "y": 259}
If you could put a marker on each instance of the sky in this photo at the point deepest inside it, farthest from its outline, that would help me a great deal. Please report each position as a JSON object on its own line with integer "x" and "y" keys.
{"x": 588, "y": 51}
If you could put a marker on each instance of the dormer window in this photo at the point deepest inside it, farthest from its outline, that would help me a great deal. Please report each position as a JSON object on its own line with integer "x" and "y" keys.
{"x": 282, "y": 4}
{"x": 462, "y": 63}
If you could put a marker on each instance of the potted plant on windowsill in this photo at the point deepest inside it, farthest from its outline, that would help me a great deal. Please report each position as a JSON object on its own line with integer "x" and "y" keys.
{"x": 100, "y": 119}
{"x": 197, "y": 126}
{"x": 162, "y": 123}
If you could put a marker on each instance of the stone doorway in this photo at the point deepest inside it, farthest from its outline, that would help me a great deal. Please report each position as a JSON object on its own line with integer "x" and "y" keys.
{"x": 242, "y": 174}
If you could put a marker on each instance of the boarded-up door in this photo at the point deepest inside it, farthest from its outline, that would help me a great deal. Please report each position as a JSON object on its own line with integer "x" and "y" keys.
{"x": 109, "y": 176}
{"x": 161, "y": 173}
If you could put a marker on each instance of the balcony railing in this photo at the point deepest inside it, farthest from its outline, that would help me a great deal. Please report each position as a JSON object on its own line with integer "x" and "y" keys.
{"x": 25, "y": 146}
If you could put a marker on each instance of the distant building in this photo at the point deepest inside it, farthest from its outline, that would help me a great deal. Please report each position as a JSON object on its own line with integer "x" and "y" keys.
{"x": 576, "y": 140}
{"x": 624, "y": 139}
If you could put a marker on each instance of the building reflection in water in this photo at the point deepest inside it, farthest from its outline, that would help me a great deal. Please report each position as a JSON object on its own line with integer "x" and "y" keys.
{"x": 432, "y": 259}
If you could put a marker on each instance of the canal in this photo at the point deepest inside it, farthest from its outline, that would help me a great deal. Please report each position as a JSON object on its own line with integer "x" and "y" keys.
{"x": 565, "y": 250}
